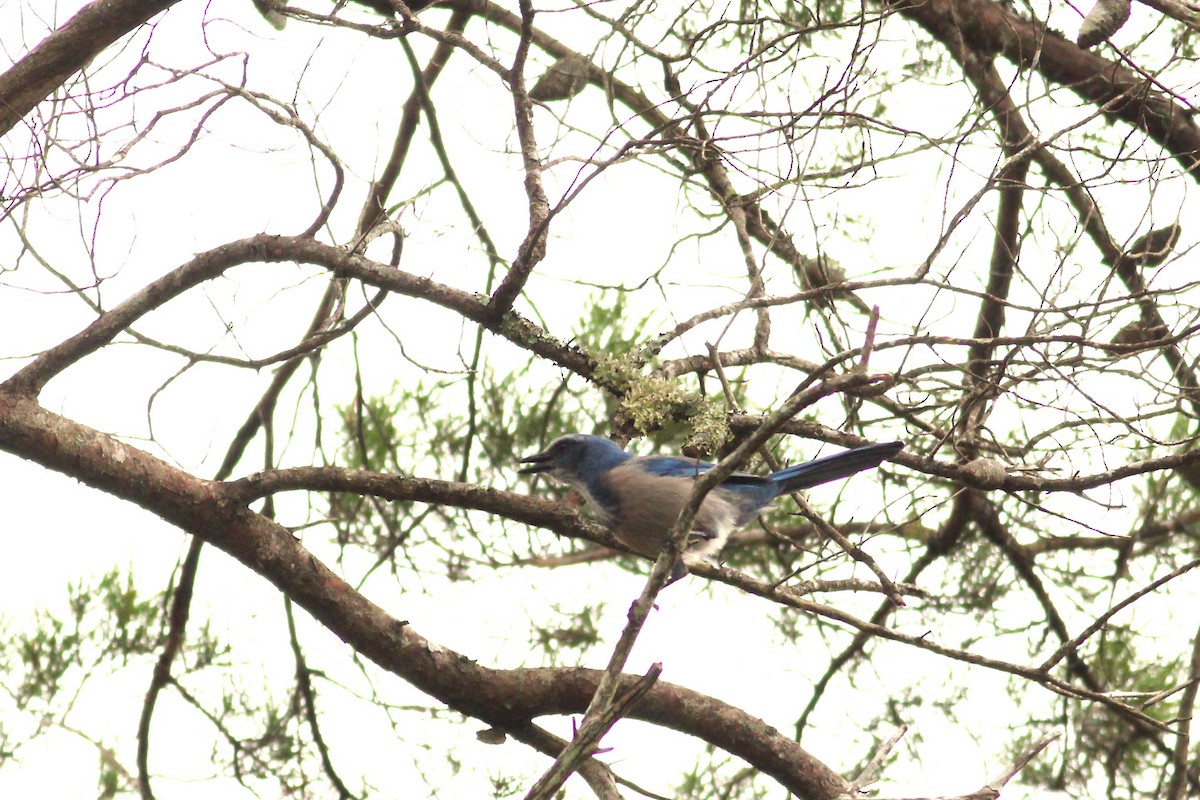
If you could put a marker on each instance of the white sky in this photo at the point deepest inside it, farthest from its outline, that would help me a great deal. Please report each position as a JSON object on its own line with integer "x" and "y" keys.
{"x": 248, "y": 176}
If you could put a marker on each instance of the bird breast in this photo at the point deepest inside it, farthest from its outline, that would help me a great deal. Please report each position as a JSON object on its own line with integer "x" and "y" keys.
{"x": 648, "y": 505}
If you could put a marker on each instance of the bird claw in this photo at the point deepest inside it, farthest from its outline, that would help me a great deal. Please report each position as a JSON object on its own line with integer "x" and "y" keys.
{"x": 678, "y": 571}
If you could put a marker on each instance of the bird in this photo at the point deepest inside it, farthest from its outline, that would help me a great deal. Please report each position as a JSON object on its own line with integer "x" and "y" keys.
{"x": 639, "y": 498}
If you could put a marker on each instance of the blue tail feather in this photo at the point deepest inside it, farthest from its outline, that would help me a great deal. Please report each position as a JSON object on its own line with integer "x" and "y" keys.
{"x": 831, "y": 468}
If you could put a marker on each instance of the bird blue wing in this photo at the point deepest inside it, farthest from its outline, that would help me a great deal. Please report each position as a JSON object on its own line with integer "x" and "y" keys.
{"x": 671, "y": 466}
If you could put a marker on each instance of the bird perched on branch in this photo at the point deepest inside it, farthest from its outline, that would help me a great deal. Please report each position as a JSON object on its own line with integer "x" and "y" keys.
{"x": 639, "y": 498}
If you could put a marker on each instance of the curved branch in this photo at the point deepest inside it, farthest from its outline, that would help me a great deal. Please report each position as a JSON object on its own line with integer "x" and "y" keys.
{"x": 31, "y": 378}
{"x": 501, "y": 697}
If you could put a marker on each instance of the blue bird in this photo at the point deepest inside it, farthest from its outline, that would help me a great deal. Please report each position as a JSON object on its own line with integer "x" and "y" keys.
{"x": 639, "y": 498}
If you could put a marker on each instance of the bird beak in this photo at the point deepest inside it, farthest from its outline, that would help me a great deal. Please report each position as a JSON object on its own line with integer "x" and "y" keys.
{"x": 542, "y": 462}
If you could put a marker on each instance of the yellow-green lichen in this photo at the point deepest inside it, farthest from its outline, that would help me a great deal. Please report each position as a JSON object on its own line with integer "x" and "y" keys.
{"x": 709, "y": 428}
{"x": 617, "y": 373}
{"x": 652, "y": 401}
{"x": 647, "y": 401}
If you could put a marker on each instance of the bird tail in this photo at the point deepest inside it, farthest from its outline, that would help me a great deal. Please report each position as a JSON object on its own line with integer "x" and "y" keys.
{"x": 830, "y": 468}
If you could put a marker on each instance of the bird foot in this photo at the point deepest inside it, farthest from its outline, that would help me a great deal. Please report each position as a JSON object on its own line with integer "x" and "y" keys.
{"x": 678, "y": 571}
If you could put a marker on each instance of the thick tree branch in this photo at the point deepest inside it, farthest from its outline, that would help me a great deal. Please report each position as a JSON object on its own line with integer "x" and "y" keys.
{"x": 499, "y": 697}
{"x": 994, "y": 28}
{"x": 66, "y": 51}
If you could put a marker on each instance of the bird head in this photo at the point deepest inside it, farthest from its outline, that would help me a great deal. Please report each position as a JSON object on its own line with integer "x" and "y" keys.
{"x": 578, "y": 455}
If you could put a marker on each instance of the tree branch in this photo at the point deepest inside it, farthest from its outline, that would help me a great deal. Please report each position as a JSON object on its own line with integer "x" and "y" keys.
{"x": 500, "y": 697}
